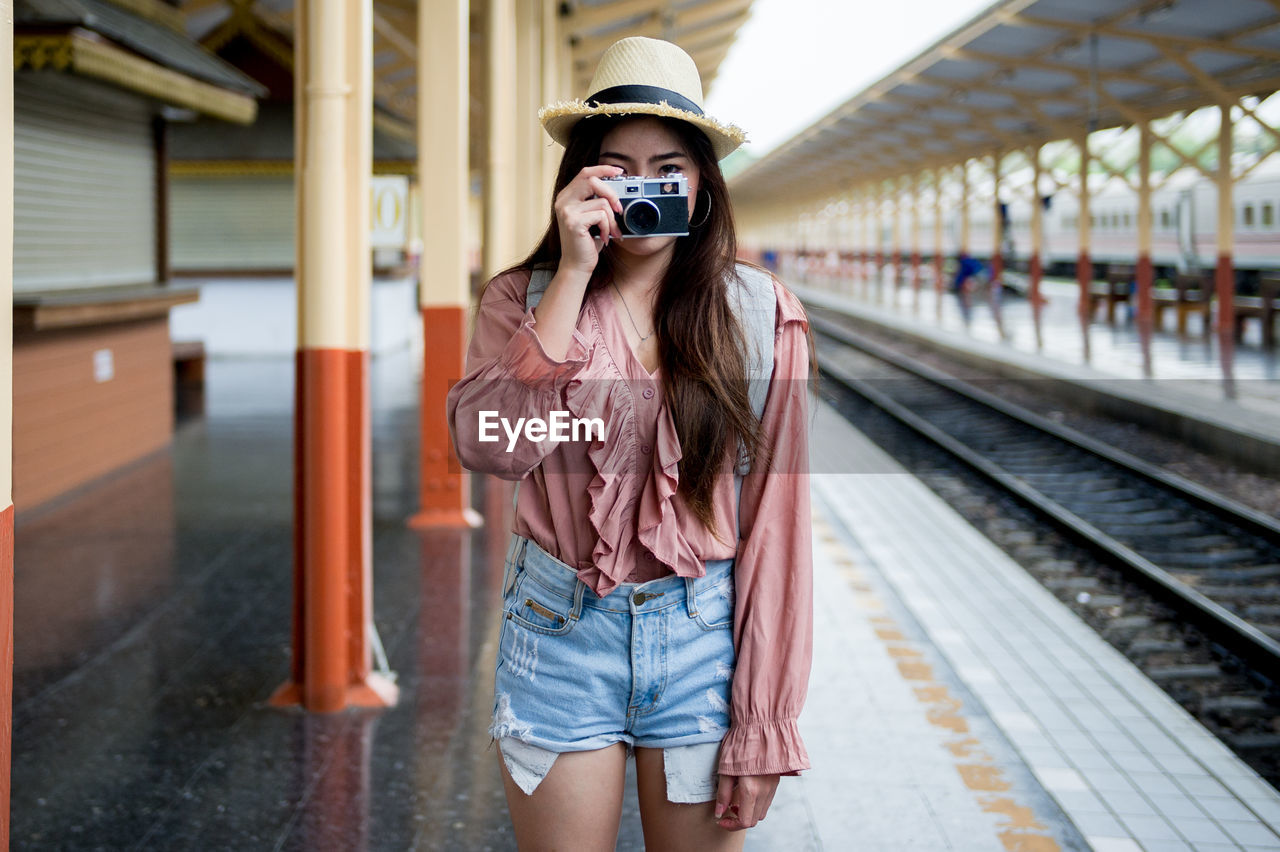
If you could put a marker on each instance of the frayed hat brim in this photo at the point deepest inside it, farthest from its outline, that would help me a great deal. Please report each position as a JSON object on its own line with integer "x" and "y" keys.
{"x": 559, "y": 119}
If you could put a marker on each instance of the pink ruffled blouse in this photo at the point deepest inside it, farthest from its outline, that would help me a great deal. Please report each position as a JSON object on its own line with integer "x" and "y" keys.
{"x": 612, "y": 508}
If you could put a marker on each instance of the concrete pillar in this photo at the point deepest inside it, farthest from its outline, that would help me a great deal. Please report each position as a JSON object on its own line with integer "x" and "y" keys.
{"x": 1037, "y": 245}
{"x": 915, "y": 240}
{"x": 500, "y": 219}
{"x": 333, "y": 150}
{"x": 1084, "y": 262}
{"x": 444, "y": 288}
{"x": 939, "y": 288}
{"x": 1224, "y": 274}
{"x": 1144, "y": 273}
{"x": 6, "y": 425}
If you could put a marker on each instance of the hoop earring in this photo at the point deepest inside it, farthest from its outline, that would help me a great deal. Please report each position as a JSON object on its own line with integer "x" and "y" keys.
{"x": 706, "y": 215}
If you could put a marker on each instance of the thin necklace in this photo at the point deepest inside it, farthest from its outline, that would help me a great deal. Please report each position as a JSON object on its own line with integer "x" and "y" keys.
{"x": 643, "y": 337}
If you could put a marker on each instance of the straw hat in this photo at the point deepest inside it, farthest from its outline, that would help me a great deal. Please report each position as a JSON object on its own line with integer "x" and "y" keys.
{"x": 643, "y": 76}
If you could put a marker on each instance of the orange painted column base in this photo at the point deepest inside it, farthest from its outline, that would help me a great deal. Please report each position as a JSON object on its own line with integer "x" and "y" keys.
{"x": 1144, "y": 277}
{"x": 1224, "y": 280}
{"x": 1084, "y": 307}
{"x": 1037, "y": 301}
{"x": 997, "y": 268}
{"x": 332, "y": 537}
{"x": 444, "y": 487}
{"x": 6, "y": 662}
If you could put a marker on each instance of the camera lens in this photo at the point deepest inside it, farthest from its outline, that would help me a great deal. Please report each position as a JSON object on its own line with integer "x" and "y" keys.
{"x": 642, "y": 217}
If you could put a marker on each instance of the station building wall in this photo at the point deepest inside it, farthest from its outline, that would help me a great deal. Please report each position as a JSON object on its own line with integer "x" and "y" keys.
{"x": 93, "y": 389}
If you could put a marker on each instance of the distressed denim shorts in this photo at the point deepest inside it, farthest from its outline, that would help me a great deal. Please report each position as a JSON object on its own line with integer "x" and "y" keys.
{"x": 650, "y": 665}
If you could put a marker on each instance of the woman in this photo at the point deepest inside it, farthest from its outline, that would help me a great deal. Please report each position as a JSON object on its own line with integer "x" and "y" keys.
{"x": 647, "y": 609}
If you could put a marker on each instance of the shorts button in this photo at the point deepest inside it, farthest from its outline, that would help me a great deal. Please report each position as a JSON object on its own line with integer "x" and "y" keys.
{"x": 645, "y": 449}
{"x": 648, "y": 393}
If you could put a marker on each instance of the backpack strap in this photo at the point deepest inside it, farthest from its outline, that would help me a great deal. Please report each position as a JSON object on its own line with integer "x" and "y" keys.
{"x": 755, "y": 304}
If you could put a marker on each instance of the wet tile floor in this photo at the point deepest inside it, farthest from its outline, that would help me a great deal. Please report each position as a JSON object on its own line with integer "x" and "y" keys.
{"x": 152, "y": 622}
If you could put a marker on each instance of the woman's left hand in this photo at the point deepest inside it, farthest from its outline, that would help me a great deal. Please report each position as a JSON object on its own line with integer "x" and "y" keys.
{"x": 743, "y": 800}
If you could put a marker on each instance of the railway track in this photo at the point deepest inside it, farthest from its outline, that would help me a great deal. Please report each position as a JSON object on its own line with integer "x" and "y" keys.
{"x": 1212, "y": 561}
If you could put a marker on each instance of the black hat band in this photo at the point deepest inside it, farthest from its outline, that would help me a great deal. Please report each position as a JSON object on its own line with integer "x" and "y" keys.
{"x": 643, "y": 95}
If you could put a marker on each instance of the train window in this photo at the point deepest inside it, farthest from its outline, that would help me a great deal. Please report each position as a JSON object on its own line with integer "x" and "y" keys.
{"x": 1268, "y": 215}
{"x": 1164, "y": 218}
{"x": 1247, "y": 213}
{"x": 1093, "y": 220}
{"x": 1128, "y": 220}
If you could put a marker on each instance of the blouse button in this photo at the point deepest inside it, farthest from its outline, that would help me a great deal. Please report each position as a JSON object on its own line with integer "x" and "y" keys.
{"x": 648, "y": 393}
{"x": 644, "y": 448}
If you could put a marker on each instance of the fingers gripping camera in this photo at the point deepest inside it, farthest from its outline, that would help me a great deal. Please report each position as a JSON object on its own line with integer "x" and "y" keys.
{"x": 653, "y": 207}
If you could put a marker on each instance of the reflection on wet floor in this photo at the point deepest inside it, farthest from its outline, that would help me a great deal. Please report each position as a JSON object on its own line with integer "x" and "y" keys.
{"x": 153, "y": 622}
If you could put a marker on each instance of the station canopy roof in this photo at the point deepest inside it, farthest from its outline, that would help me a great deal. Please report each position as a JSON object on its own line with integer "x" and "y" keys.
{"x": 1025, "y": 72}
{"x": 704, "y": 28}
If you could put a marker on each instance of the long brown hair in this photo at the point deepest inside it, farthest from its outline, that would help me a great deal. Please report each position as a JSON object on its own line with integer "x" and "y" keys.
{"x": 700, "y": 342}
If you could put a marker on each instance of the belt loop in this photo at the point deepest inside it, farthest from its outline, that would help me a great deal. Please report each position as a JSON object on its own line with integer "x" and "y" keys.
{"x": 691, "y": 595}
{"x": 510, "y": 566}
{"x": 579, "y": 589}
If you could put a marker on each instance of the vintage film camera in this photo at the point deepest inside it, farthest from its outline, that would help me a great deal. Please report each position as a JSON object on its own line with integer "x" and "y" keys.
{"x": 653, "y": 207}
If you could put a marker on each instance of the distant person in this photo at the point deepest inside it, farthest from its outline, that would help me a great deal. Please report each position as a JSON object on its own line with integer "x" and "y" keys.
{"x": 973, "y": 275}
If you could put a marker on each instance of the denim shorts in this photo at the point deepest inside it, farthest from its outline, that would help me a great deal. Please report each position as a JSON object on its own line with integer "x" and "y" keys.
{"x": 650, "y": 665}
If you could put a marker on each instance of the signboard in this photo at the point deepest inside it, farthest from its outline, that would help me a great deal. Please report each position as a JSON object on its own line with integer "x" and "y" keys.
{"x": 389, "y": 211}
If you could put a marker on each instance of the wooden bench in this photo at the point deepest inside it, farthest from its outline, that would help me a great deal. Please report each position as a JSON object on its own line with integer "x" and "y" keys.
{"x": 1115, "y": 289}
{"x": 1192, "y": 293}
{"x": 1262, "y": 307}
{"x": 188, "y": 362}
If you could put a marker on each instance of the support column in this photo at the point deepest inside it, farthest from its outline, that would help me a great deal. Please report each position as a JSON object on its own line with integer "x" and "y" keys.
{"x": 529, "y": 134}
{"x": 997, "y": 222}
{"x": 500, "y": 248}
{"x": 939, "y": 288}
{"x": 1037, "y": 246}
{"x": 1084, "y": 264}
{"x": 896, "y": 246}
{"x": 551, "y": 52}
{"x": 1144, "y": 273}
{"x": 1224, "y": 274}
{"x": 6, "y": 424}
{"x": 877, "y": 208}
{"x": 915, "y": 241}
{"x": 863, "y": 242}
{"x": 333, "y": 151}
{"x": 444, "y": 287}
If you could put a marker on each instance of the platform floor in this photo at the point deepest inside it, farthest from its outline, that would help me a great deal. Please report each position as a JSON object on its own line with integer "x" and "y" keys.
{"x": 152, "y": 623}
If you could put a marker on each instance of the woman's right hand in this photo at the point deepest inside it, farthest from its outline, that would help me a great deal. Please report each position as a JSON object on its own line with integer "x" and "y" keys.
{"x": 587, "y": 202}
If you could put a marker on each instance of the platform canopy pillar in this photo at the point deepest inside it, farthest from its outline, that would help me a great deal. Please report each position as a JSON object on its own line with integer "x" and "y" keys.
{"x": 877, "y": 236}
{"x": 333, "y": 151}
{"x": 500, "y": 219}
{"x": 1144, "y": 275}
{"x": 964, "y": 208}
{"x": 864, "y": 240}
{"x": 1224, "y": 274}
{"x": 997, "y": 221}
{"x": 916, "y": 179}
{"x": 1037, "y": 244}
{"x": 444, "y": 289}
{"x": 896, "y": 236}
{"x": 1084, "y": 263}
{"x": 939, "y": 175}
{"x": 6, "y": 425}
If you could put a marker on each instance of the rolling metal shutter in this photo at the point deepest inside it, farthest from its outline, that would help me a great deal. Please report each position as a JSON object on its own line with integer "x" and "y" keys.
{"x": 232, "y": 222}
{"x": 84, "y": 177}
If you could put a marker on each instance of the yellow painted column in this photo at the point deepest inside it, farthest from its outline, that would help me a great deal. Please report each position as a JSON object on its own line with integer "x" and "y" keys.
{"x": 333, "y": 151}
{"x": 1084, "y": 262}
{"x": 916, "y": 180}
{"x": 6, "y": 424}
{"x": 896, "y": 236}
{"x": 997, "y": 221}
{"x": 528, "y": 133}
{"x": 1144, "y": 273}
{"x": 1037, "y": 245}
{"x": 502, "y": 108}
{"x": 1224, "y": 273}
{"x": 553, "y": 48}
{"x": 445, "y": 276}
{"x": 964, "y": 208}
{"x": 939, "y": 287}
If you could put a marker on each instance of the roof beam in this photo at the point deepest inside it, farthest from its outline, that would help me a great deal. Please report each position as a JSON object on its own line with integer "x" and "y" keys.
{"x": 1226, "y": 45}
{"x": 583, "y": 19}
